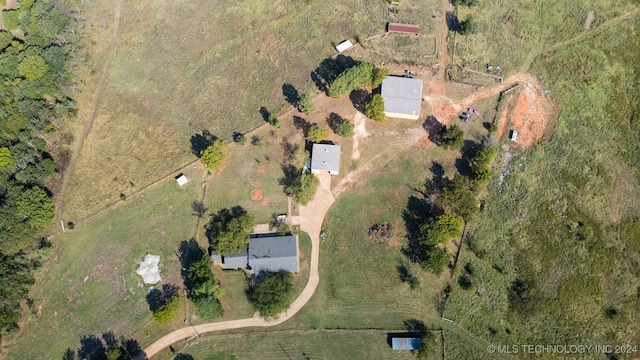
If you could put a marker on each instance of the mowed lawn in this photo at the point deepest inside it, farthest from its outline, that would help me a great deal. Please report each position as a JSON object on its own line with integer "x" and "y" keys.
{"x": 295, "y": 344}
{"x": 182, "y": 67}
{"x": 90, "y": 285}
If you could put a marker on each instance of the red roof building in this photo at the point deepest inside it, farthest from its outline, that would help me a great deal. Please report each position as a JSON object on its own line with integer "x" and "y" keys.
{"x": 403, "y": 28}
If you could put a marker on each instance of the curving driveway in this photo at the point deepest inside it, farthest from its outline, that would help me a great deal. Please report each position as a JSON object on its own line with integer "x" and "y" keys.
{"x": 310, "y": 220}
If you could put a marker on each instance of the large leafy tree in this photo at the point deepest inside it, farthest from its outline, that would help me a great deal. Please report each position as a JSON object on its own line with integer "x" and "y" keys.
{"x": 302, "y": 186}
{"x": 305, "y": 104}
{"x": 229, "y": 229}
{"x": 436, "y": 260}
{"x": 33, "y": 67}
{"x": 452, "y": 137}
{"x": 272, "y": 293}
{"x": 345, "y": 128}
{"x": 374, "y": 108}
{"x": 317, "y": 134}
{"x": 458, "y": 199}
{"x": 214, "y": 154}
{"x": 377, "y": 76}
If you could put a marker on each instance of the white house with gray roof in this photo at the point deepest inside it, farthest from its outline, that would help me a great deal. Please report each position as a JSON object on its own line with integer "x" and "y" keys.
{"x": 402, "y": 97}
{"x": 325, "y": 157}
{"x": 267, "y": 252}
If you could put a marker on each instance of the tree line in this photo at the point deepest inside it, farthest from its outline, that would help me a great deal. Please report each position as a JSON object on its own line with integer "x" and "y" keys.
{"x": 35, "y": 86}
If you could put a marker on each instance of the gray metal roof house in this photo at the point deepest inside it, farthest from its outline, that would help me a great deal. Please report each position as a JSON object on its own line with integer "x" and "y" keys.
{"x": 264, "y": 253}
{"x": 325, "y": 157}
{"x": 402, "y": 97}
{"x": 405, "y": 343}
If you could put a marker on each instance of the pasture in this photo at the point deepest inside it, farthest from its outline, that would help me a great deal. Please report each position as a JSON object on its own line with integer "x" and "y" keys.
{"x": 178, "y": 68}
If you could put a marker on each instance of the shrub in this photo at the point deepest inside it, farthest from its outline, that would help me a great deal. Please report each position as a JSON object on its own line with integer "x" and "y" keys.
{"x": 468, "y": 26}
{"x": 123, "y": 197}
{"x": 317, "y": 134}
{"x": 214, "y": 154}
{"x": 436, "y": 260}
{"x": 345, "y": 128}
{"x": 440, "y": 229}
{"x": 305, "y": 104}
{"x": 465, "y": 2}
{"x": 167, "y": 312}
{"x": 71, "y": 225}
{"x": 351, "y": 79}
{"x": 239, "y": 138}
{"x": 374, "y": 108}
{"x": 208, "y": 308}
{"x": 272, "y": 293}
{"x": 493, "y": 127}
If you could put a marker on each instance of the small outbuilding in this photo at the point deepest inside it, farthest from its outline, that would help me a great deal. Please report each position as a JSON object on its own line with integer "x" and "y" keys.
{"x": 325, "y": 157}
{"x": 514, "y": 135}
{"x": 403, "y": 28}
{"x": 405, "y": 343}
{"x": 344, "y": 46}
{"x": 182, "y": 180}
{"x": 402, "y": 97}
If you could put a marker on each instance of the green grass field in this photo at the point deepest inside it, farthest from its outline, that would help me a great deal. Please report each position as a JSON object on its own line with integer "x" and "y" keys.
{"x": 183, "y": 67}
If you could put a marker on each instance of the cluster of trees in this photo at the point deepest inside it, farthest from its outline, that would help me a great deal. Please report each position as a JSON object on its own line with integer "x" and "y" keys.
{"x": 229, "y": 229}
{"x": 35, "y": 85}
{"x": 301, "y": 186}
{"x": 353, "y": 78}
{"x": 435, "y": 232}
{"x": 480, "y": 172}
{"x": 106, "y": 347}
{"x": 272, "y": 293}
{"x": 204, "y": 289}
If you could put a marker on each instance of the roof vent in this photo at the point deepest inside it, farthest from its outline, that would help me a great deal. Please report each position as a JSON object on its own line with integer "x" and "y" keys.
{"x": 325, "y": 149}
{"x": 324, "y": 162}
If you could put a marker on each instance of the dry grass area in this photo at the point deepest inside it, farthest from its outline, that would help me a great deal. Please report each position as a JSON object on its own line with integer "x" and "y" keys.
{"x": 184, "y": 67}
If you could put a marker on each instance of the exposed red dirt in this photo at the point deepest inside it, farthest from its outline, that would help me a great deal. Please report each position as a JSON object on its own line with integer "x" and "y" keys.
{"x": 257, "y": 194}
{"x": 262, "y": 169}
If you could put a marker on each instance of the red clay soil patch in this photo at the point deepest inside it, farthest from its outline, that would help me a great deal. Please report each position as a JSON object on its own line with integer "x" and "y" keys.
{"x": 266, "y": 201}
{"x": 257, "y": 194}
{"x": 262, "y": 169}
{"x": 530, "y": 113}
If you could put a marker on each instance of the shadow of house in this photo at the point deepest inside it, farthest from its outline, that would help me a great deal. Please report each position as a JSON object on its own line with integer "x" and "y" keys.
{"x": 358, "y": 97}
{"x": 201, "y": 141}
{"x": 290, "y": 93}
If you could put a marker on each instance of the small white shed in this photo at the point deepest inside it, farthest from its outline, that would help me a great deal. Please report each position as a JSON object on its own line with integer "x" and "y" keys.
{"x": 344, "y": 46}
{"x": 514, "y": 135}
{"x": 182, "y": 180}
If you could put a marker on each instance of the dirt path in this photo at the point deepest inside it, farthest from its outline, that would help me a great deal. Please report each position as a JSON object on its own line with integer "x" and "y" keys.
{"x": 310, "y": 220}
{"x": 447, "y": 7}
{"x": 359, "y": 122}
{"x": 94, "y": 109}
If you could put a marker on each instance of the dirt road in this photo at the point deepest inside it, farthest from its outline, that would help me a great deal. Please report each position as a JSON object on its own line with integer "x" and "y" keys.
{"x": 310, "y": 220}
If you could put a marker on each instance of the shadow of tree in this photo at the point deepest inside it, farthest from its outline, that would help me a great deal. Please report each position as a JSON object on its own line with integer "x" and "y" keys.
{"x": 265, "y": 114}
{"x": 415, "y": 327}
{"x": 358, "y": 98}
{"x": 329, "y": 69}
{"x": 453, "y": 24}
{"x": 198, "y": 208}
{"x": 96, "y": 348}
{"x": 433, "y": 128}
{"x": 290, "y": 175}
{"x": 290, "y": 93}
{"x": 416, "y": 213}
{"x": 403, "y": 272}
{"x": 301, "y": 124}
{"x": 157, "y": 298}
{"x": 201, "y": 141}
{"x": 184, "y": 357}
{"x": 469, "y": 150}
{"x": 333, "y": 120}
{"x": 188, "y": 252}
